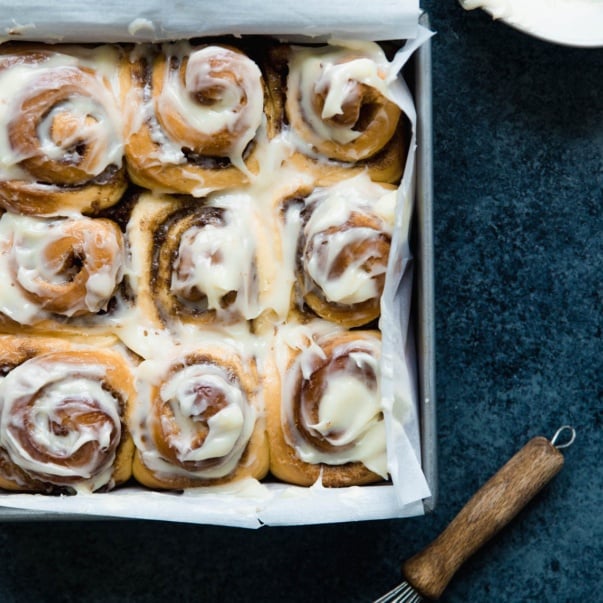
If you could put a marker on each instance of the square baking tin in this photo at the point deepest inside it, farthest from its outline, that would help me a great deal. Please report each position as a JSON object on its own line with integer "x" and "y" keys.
{"x": 418, "y": 74}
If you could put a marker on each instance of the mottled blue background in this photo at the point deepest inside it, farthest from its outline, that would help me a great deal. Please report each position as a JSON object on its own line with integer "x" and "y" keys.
{"x": 519, "y": 266}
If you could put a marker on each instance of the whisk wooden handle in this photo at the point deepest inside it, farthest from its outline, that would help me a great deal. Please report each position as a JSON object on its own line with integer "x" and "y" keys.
{"x": 490, "y": 509}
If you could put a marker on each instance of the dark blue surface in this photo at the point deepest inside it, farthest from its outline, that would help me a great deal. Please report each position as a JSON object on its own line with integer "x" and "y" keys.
{"x": 519, "y": 271}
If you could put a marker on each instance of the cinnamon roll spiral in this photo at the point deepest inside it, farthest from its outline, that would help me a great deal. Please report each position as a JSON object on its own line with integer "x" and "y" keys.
{"x": 62, "y": 416}
{"x": 195, "y": 114}
{"x": 58, "y": 267}
{"x": 198, "y": 421}
{"x": 196, "y": 263}
{"x": 60, "y": 130}
{"x": 338, "y": 105}
{"x": 325, "y": 417}
{"x": 344, "y": 250}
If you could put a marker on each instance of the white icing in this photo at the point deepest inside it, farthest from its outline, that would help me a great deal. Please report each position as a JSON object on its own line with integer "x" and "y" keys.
{"x": 355, "y": 284}
{"x": 332, "y": 207}
{"x": 346, "y": 407}
{"x": 219, "y": 258}
{"x": 225, "y": 427}
{"x": 238, "y": 108}
{"x": 289, "y": 229}
{"x": 301, "y": 338}
{"x": 52, "y": 387}
{"x": 334, "y": 72}
{"x": 89, "y": 125}
{"x": 276, "y": 232}
{"x": 140, "y": 24}
{"x": 140, "y": 336}
{"x": 336, "y": 81}
{"x": 13, "y": 302}
{"x": 170, "y": 152}
{"x": 138, "y": 109}
{"x": 23, "y": 246}
{"x": 95, "y": 108}
{"x": 350, "y": 410}
{"x": 229, "y": 429}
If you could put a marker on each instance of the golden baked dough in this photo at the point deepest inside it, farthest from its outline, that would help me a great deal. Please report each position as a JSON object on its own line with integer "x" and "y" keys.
{"x": 193, "y": 116}
{"x": 63, "y": 408}
{"x": 63, "y": 129}
{"x": 333, "y": 99}
{"x": 323, "y": 414}
{"x": 198, "y": 420}
{"x": 58, "y": 270}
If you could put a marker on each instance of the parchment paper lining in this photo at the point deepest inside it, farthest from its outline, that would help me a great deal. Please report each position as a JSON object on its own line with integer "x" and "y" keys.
{"x": 153, "y": 21}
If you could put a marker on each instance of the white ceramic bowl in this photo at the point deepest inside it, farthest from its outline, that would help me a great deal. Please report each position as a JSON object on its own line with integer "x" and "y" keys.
{"x": 567, "y": 22}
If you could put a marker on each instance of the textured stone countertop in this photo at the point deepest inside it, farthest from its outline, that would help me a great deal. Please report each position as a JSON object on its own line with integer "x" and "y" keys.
{"x": 518, "y": 222}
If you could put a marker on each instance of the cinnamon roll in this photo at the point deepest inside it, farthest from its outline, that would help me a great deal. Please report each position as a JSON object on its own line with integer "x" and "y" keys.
{"x": 195, "y": 113}
{"x": 323, "y": 408}
{"x": 61, "y": 132}
{"x": 344, "y": 250}
{"x": 62, "y": 416}
{"x": 198, "y": 421}
{"x": 338, "y": 106}
{"x": 58, "y": 268}
{"x": 198, "y": 263}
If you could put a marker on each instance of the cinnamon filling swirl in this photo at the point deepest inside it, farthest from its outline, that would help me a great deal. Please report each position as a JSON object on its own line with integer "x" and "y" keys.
{"x": 61, "y": 418}
{"x": 60, "y": 130}
{"x": 69, "y": 266}
{"x": 196, "y": 421}
{"x": 338, "y": 101}
{"x": 205, "y": 265}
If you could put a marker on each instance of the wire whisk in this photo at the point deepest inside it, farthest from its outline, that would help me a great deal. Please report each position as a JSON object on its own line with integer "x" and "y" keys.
{"x": 403, "y": 593}
{"x": 491, "y": 508}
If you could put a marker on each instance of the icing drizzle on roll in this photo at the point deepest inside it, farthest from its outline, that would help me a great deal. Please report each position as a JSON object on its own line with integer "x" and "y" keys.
{"x": 201, "y": 260}
{"x": 213, "y": 103}
{"x": 60, "y": 130}
{"x": 331, "y": 401}
{"x": 200, "y": 102}
{"x": 344, "y": 250}
{"x": 197, "y": 419}
{"x": 215, "y": 260}
{"x": 59, "y": 422}
{"x": 339, "y": 102}
{"x": 64, "y": 266}
{"x": 195, "y": 116}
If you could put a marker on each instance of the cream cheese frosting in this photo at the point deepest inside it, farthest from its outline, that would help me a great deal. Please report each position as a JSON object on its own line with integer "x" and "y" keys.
{"x": 91, "y": 106}
{"x": 56, "y": 388}
{"x": 184, "y": 394}
{"x": 24, "y": 257}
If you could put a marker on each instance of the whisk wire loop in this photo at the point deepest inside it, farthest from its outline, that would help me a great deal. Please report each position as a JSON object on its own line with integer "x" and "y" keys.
{"x": 572, "y": 436}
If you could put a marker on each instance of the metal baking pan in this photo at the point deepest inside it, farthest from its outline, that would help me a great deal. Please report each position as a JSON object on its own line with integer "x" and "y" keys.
{"x": 418, "y": 73}
{"x": 424, "y": 306}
